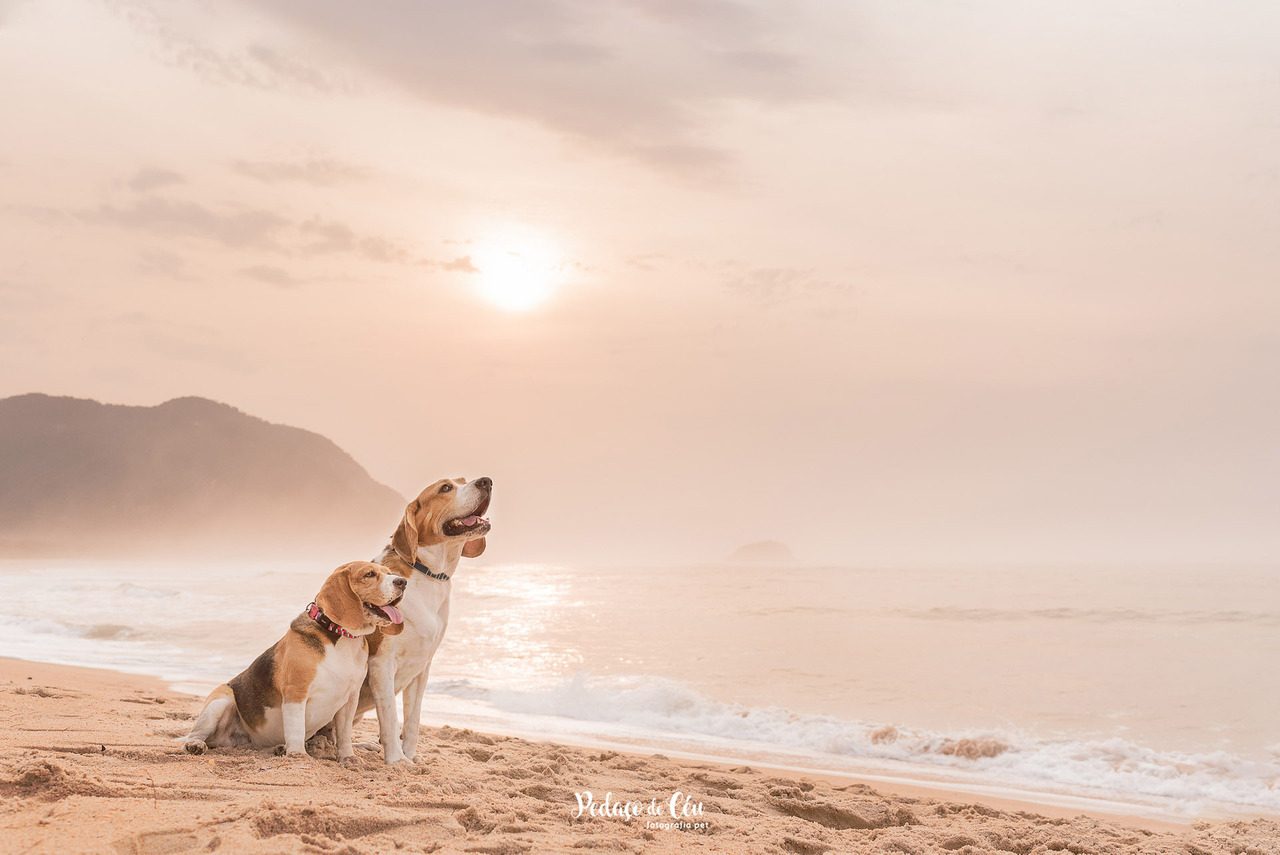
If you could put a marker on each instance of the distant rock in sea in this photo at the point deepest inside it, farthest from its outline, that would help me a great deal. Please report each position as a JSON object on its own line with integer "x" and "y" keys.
{"x": 762, "y": 552}
{"x": 189, "y": 477}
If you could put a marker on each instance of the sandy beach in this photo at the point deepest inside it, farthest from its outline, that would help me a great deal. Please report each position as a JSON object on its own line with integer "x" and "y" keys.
{"x": 88, "y": 764}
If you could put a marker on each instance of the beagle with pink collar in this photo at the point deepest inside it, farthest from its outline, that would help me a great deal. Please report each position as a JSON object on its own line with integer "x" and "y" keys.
{"x": 310, "y": 677}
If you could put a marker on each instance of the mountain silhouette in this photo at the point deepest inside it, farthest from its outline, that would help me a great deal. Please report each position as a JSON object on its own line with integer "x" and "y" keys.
{"x": 192, "y": 475}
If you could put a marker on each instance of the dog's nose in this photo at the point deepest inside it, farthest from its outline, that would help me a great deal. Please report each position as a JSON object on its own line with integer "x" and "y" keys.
{"x": 400, "y": 582}
{"x": 484, "y": 483}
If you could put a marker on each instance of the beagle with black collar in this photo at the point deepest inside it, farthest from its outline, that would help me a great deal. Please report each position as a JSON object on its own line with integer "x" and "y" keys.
{"x": 444, "y": 524}
{"x": 310, "y": 677}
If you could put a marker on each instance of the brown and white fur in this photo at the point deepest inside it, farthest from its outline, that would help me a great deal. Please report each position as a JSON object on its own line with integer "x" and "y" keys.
{"x": 310, "y": 677}
{"x": 444, "y": 524}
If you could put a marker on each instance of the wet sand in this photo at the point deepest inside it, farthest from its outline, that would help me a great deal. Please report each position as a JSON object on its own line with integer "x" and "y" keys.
{"x": 88, "y": 764}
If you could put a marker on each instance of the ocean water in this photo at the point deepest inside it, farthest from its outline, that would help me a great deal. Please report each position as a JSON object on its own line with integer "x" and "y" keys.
{"x": 1153, "y": 688}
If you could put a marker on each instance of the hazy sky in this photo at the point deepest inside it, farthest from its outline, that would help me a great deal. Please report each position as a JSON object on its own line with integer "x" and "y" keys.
{"x": 888, "y": 281}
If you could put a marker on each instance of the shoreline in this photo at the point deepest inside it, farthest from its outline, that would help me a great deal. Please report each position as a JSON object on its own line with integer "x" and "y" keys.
{"x": 89, "y": 752}
{"x": 1053, "y": 805}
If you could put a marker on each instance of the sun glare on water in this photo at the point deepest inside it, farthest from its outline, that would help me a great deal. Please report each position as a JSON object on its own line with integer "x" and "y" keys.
{"x": 517, "y": 272}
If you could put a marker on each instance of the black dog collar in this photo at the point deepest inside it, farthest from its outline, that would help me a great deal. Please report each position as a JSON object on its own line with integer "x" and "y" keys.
{"x": 424, "y": 569}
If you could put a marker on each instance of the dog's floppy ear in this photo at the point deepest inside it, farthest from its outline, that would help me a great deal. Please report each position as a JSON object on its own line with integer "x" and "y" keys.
{"x": 339, "y": 602}
{"x": 405, "y": 539}
{"x": 473, "y": 548}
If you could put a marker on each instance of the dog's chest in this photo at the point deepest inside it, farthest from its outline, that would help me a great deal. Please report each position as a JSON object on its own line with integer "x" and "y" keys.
{"x": 342, "y": 668}
{"x": 338, "y": 675}
{"x": 426, "y": 616}
{"x": 425, "y": 619}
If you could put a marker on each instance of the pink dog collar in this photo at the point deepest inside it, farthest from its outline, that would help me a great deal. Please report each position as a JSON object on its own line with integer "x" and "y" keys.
{"x": 314, "y": 612}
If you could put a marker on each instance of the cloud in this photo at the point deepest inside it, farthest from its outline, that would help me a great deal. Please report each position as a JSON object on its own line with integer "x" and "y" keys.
{"x": 283, "y": 70}
{"x": 277, "y": 276}
{"x": 240, "y": 228}
{"x": 318, "y": 172}
{"x": 774, "y": 286}
{"x": 152, "y": 178}
{"x": 461, "y": 264}
{"x": 165, "y": 265}
{"x": 647, "y": 261}
{"x": 325, "y": 236}
{"x": 643, "y": 77}
{"x": 182, "y": 44}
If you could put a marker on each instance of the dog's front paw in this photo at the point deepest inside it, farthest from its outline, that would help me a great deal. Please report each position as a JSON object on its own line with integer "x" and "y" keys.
{"x": 282, "y": 751}
{"x": 195, "y": 746}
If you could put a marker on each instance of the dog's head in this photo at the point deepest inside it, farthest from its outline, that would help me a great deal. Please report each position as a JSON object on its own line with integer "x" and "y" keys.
{"x": 451, "y": 510}
{"x": 361, "y": 597}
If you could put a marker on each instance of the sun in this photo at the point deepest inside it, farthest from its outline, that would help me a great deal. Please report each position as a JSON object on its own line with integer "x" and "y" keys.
{"x": 518, "y": 271}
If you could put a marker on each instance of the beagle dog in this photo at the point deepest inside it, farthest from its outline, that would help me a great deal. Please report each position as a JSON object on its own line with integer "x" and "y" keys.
{"x": 310, "y": 677}
{"x": 444, "y": 524}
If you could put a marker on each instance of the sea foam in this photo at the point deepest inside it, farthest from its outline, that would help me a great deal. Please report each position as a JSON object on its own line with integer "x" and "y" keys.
{"x": 1112, "y": 768}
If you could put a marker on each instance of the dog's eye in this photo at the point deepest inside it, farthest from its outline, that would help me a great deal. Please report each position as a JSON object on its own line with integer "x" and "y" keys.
{"x": 446, "y": 488}
{"x": 370, "y": 574}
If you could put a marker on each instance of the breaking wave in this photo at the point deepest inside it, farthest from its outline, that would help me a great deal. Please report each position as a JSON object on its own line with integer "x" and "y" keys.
{"x": 1113, "y": 767}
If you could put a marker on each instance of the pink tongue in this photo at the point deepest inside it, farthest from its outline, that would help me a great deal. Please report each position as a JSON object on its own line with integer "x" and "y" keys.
{"x": 393, "y": 613}
{"x": 471, "y": 520}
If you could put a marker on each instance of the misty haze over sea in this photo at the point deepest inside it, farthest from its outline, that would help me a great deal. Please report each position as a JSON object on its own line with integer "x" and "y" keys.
{"x": 1134, "y": 684}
